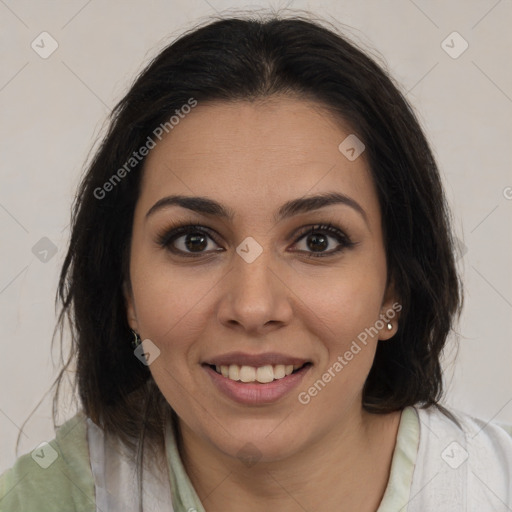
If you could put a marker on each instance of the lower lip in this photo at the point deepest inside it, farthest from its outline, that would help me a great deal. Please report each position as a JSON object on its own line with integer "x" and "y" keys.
{"x": 255, "y": 393}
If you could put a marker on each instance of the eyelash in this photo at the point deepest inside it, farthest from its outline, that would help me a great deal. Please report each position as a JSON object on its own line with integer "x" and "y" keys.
{"x": 166, "y": 238}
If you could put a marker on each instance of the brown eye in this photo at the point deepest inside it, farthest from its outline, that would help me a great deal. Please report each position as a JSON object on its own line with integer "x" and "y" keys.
{"x": 195, "y": 243}
{"x": 317, "y": 239}
{"x": 188, "y": 241}
{"x": 317, "y": 242}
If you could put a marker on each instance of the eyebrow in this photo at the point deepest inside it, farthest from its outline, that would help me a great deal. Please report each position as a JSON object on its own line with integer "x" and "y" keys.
{"x": 305, "y": 204}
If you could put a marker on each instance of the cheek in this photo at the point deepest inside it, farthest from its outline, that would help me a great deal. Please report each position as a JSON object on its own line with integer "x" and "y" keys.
{"x": 343, "y": 320}
{"x": 345, "y": 303}
{"x": 173, "y": 306}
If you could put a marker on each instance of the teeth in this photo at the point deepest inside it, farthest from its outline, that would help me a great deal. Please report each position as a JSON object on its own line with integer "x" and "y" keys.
{"x": 234, "y": 372}
{"x": 262, "y": 374}
{"x": 247, "y": 374}
{"x": 265, "y": 374}
{"x": 279, "y": 371}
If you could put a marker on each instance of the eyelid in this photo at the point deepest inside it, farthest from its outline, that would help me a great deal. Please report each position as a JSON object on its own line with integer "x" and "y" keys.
{"x": 323, "y": 227}
{"x": 169, "y": 234}
{"x": 332, "y": 231}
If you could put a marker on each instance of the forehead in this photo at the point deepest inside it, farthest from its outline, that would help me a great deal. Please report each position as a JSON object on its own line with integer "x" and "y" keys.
{"x": 254, "y": 153}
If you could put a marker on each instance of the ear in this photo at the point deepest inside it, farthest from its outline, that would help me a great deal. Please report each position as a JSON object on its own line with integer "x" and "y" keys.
{"x": 390, "y": 312}
{"x": 131, "y": 314}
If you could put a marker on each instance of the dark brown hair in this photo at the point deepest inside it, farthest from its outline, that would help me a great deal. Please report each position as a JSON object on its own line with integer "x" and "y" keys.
{"x": 248, "y": 59}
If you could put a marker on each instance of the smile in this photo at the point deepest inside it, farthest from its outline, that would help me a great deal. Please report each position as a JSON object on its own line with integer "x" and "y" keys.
{"x": 256, "y": 380}
{"x": 262, "y": 374}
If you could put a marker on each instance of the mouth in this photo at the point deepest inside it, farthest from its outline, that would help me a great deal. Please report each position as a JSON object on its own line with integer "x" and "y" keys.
{"x": 256, "y": 379}
{"x": 261, "y": 374}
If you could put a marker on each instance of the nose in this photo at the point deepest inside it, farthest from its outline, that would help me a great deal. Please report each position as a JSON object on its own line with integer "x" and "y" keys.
{"x": 255, "y": 296}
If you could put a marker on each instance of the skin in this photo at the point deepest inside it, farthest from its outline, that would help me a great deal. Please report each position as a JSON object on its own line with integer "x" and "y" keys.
{"x": 252, "y": 157}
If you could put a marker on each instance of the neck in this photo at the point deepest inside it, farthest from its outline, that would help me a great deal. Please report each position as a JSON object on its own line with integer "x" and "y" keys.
{"x": 345, "y": 469}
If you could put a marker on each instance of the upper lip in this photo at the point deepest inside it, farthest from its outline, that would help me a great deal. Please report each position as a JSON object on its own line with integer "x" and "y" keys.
{"x": 255, "y": 360}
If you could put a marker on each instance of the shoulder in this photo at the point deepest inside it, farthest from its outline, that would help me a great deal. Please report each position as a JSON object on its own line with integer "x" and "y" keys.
{"x": 474, "y": 431}
{"x": 55, "y": 476}
{"x": 461, "y": 460}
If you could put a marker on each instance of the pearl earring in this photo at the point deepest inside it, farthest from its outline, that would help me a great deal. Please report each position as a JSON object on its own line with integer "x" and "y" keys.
{"x": 390, "y": 326}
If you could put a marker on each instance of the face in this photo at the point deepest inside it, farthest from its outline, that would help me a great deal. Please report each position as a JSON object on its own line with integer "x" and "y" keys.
{"x": 265, "y": 281}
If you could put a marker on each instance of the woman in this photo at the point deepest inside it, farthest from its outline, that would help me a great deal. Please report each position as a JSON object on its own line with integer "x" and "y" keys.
{"x": 290, "y": 360}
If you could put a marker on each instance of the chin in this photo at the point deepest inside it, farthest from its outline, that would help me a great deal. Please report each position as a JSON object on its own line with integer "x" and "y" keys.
{"x": 253, "y": 445}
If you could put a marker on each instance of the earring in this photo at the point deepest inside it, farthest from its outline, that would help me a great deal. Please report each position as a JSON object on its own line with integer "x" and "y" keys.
{"x": 389, "y": 326}
{"x": 136, "y": 339}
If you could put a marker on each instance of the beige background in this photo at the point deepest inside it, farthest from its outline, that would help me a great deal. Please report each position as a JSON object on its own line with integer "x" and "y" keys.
{"x": 53, "y": 109}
